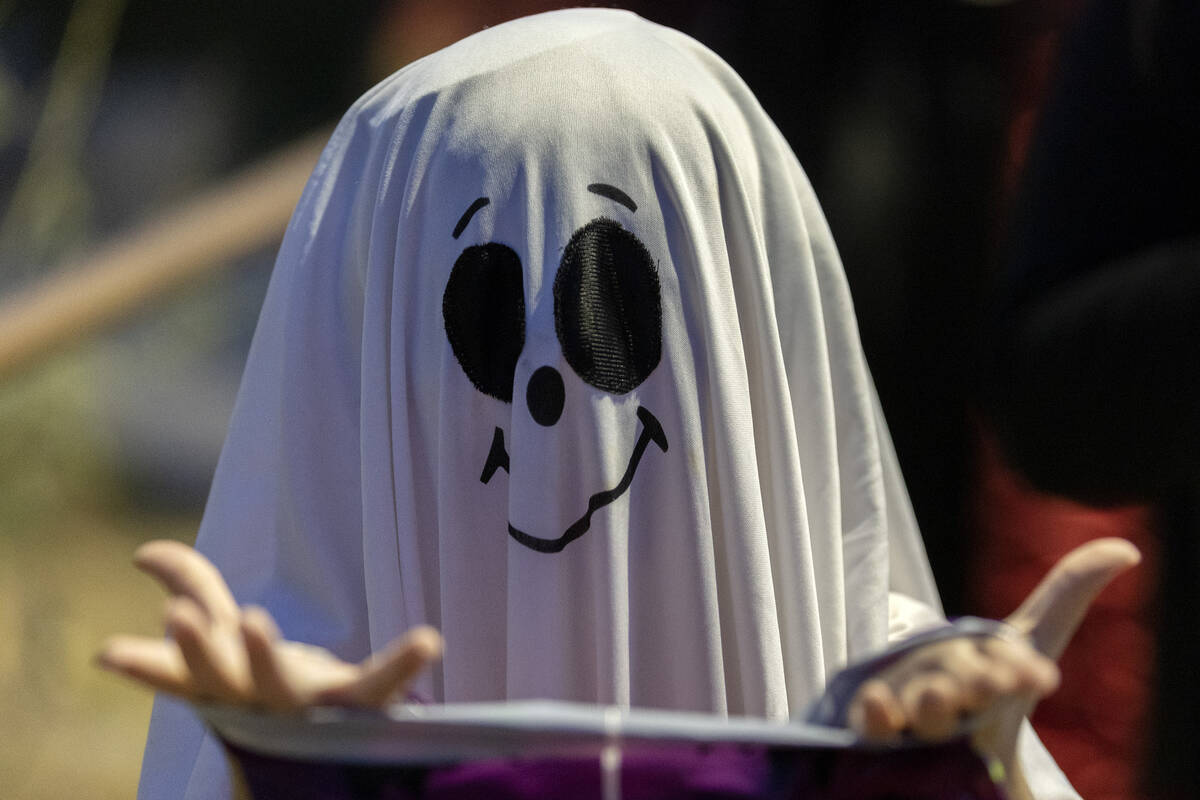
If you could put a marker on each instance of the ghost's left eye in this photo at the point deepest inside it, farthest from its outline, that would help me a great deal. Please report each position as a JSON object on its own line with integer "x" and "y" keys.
{"x": 608, "y": 307}
{"x": 483, "y": 309}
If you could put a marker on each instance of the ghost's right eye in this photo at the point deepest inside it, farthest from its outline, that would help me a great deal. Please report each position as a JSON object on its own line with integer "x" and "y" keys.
{"x": 483, "y": 309}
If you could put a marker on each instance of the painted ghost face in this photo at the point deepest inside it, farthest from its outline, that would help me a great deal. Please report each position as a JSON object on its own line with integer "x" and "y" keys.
{"x": 607, "y": 319}
{"x": 638, "y": 260}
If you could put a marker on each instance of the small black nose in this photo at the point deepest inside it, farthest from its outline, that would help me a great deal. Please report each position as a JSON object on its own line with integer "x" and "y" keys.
{"x": 545, "y": 396}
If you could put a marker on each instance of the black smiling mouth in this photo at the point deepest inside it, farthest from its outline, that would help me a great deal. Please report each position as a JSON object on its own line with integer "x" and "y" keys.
{"x": 652, "y": 431}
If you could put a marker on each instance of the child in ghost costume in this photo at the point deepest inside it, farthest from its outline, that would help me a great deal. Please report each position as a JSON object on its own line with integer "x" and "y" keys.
{"x": 559, "y": 359}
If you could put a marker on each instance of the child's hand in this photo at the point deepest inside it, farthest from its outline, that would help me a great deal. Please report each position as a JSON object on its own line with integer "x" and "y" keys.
{"x": 218, "y": 651}
{"x": 1000, "y": 679}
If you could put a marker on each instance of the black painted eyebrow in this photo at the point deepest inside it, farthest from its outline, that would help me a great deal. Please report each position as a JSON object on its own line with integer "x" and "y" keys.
{"x": 466, "y": 217}
{"x": 612, "y": 193}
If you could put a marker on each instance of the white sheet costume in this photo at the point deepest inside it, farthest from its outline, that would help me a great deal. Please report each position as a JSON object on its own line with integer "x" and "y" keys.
{"x": 559, "y": 357}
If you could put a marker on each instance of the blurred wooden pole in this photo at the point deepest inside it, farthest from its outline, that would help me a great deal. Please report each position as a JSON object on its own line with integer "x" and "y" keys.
{"x": 199, "y": 238}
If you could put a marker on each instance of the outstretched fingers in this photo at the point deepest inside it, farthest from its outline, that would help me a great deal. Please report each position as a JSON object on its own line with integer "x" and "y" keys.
{"x": 1055, "y": 608}
{"x": 217, "y": 651}
{"x": 186, "y": 573}
{"x": 212, "y": 652}
{"x": 387, "y": 673}
{"x": 155, "y": 662}
{"x": 274, "y": 688}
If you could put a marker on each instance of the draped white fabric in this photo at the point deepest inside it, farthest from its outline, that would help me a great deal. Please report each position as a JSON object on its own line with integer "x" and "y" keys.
{"x": 710, "y": 464}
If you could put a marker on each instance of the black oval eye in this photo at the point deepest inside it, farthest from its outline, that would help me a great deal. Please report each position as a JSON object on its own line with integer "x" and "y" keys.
{"x": 483, "y": 309}
{"x": 608, "y": 307}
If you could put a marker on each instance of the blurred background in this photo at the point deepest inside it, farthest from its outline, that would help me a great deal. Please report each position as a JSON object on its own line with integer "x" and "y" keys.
{"x": 151, "y": 152}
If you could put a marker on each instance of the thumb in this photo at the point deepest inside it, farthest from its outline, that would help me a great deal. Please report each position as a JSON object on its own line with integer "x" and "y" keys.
{"x": 1055, "y": 608}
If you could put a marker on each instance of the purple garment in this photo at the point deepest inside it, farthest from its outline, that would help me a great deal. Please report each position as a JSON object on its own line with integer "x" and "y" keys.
{"x": 944, "y": 772}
